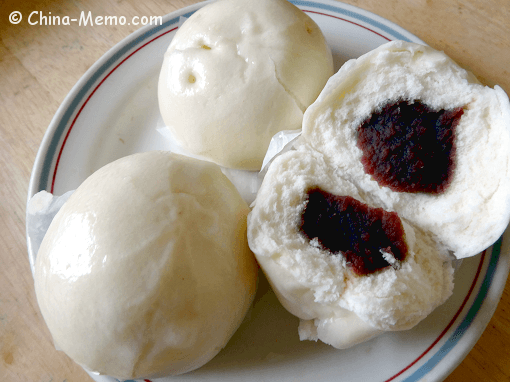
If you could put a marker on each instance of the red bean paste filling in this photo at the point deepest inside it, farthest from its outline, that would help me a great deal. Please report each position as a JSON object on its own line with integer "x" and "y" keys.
{"x": 409, "y": 147}
{"x": 345, "y": 226}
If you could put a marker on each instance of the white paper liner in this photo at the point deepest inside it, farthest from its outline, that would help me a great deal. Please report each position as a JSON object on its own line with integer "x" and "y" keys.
{"x": 41, "y": 210}
{"x": 281, "y": 142}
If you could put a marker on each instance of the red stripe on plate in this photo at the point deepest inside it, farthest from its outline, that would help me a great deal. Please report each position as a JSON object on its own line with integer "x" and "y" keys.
{"x": 87, "y": 100}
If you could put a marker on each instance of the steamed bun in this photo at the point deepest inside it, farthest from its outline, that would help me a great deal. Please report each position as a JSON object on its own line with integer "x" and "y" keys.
{"x": 461, "y": 194}
{"x": 236, "y": 73}
{"x": 146, "y": 270}
{"x": 400, "y": 280}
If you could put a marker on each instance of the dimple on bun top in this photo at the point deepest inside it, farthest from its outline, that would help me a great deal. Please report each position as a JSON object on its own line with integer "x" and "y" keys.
{"x": 146, "y": 271}
{"x": 420, "y": 136}
{"x": 236, "y": 73}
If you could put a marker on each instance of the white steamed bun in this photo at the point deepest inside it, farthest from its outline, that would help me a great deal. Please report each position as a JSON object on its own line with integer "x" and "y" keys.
{"x": 474, "y": 209}
{"x": 146, "y": 270}
{"x": 236, "y": 73}
{"x": 336, "y": 304}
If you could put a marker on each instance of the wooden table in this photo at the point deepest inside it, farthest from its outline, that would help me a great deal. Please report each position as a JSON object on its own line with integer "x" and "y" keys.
{"x": 39, "y": 65}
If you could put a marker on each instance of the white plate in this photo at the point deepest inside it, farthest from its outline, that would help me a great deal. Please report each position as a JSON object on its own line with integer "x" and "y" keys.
{"x": 113, "y": 111}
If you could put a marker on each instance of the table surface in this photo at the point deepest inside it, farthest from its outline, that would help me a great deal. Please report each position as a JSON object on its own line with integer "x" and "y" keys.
{"x": 39, "y": 65}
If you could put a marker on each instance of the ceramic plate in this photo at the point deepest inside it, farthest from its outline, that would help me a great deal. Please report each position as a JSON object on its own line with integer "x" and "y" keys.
{"x": 113, "y": 111}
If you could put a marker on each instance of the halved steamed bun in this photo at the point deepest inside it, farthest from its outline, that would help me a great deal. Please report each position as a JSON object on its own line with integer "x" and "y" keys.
{"x": 236, "y": 73}
{"x": 146, "y": 270}
{"x": 348, "y": 269}
{"x": 421, "y": 136}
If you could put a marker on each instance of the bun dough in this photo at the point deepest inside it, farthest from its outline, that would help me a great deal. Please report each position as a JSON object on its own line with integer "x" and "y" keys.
{"x": 236, "y": 73}
{"x": 335, "y": 304}
{"x": 475, "y": 208}
{"x": 146, "y": 270}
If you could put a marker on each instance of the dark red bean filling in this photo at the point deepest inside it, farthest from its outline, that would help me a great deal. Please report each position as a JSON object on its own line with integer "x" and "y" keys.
{"x": 409, "y": 147}
{"x": 345, "y": 226}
